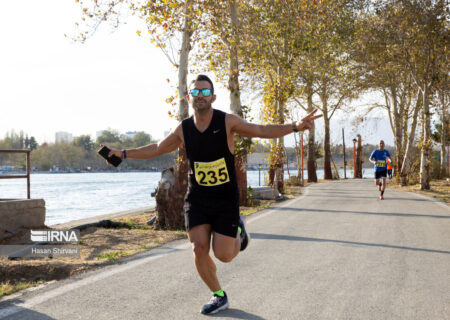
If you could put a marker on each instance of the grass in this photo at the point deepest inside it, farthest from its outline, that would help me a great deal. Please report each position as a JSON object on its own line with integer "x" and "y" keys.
{"x": 112, "y": 255}
{"x": 257, "y": 206}
{"x": 9, "y": 288}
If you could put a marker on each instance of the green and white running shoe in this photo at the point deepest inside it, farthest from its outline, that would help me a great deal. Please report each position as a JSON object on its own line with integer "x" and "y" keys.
{"x": 215, "y": 304}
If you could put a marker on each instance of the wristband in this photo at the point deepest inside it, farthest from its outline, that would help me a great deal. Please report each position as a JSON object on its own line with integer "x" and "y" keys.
{"x": 294, "y": 127}
{"x": 124, "y": 154}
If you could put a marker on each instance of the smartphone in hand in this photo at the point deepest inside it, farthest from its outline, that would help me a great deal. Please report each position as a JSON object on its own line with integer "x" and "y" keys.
{"x": 114, "y": 160}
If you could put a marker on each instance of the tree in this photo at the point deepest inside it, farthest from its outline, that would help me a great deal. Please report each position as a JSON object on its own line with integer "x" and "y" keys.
{"x": 420, "y": 46}
{"x": 442, "y": 133}
{"x": 375, "y": 54}
{"x": 409, "y": 39}
{"x": 141, "y": 139}
{"x": 269, "y": 51}
{"x": 165, "y": 19}
{"x": 32, "y": 143}
{"x": 335, "y": 78}
{"x": 220, "y": 52}
{"x": 85, "y": 141}
{"x": 109, "y": 136}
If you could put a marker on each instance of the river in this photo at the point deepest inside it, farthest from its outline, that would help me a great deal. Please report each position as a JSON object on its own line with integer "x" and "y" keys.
{"x": 73, "y": 196}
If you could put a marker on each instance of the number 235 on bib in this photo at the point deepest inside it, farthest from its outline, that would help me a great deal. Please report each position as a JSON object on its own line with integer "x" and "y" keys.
{"x": 211, "y": 173}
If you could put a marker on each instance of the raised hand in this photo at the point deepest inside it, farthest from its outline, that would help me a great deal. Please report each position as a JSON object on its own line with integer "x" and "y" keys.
{"x": 307, "y": 122}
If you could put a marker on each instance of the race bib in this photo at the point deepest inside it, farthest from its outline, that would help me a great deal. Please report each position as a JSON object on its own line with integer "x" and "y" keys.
{"x": 381, "y": 163}
{"x": 211, "y": 173}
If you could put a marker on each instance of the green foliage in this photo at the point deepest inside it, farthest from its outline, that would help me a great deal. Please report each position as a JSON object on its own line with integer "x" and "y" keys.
{"x": 111, "y": 137}
{"x": 250, "y": 201}
{"x": 85, "y": 142}
{"x": 243, "y": 145}
{"x": 81, "y": 154}
{"x": 436, "y": 135}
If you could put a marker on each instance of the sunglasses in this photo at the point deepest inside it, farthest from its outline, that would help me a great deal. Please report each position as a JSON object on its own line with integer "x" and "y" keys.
{"x": 205, "y": 92}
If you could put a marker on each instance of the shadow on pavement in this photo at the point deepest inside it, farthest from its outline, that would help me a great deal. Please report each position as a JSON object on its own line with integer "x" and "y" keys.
{"x": 266, "y": 236}
{"x": 375, "y": 197}
{"x": 9, "y": 311}
{"x": 236, "y": 314}
{"x": 404, "y": 215}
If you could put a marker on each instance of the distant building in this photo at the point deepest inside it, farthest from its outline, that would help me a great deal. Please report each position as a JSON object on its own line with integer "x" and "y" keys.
{"x": 62, "y": 136}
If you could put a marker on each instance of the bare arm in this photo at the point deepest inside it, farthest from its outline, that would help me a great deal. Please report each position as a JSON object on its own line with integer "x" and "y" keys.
{"x": 168, "y": 144}
{"x": 245, "y": 129}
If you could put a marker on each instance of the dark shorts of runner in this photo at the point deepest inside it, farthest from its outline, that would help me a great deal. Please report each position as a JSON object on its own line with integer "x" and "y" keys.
{"x": 390, "y": 172}
{"x": 380, "y": 174}
{"x": 222, "y": 215}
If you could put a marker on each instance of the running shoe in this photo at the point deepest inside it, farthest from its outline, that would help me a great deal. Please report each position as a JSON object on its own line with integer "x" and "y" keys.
{"x": 215, "y": 304}
{"x": 381, "y": 197}
{"x": 245, "y": 237}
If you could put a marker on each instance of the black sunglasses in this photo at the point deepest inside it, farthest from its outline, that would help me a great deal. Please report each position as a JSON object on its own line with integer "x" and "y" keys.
{"x": 195, "y": 92}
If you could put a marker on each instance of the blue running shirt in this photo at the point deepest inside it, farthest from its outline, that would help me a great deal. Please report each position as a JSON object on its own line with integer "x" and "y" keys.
{"x": 380, "y": 158}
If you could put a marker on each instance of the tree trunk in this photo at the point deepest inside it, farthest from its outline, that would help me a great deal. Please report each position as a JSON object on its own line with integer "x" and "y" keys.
{"x": 240, "y": 161}
{"x": 311, "y": 160}
{"x": 425, "y": 155}
{"x": 328, "y": 175}
{"x": 358, "y": 169}
{"x": 412, "y": 133}
{"x": 240, "y": 164}
{"x": 397, "y": 129}
{"x": 170, "y": 197}
{"x": 276, "y": 164}
{"x": 442, "y": 171}
{"x": 280, "y": 166}
{"x": 170, "y": 202}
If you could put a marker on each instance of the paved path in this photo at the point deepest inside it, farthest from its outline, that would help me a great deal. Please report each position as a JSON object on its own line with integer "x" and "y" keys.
{"x": 335, "y": 253}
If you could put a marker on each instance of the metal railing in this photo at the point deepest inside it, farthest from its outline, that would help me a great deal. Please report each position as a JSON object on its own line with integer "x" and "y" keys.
{"x": 27, "y": 176}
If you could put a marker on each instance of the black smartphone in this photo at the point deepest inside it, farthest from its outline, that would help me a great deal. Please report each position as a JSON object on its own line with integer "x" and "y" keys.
{"x": 114, "y": 160}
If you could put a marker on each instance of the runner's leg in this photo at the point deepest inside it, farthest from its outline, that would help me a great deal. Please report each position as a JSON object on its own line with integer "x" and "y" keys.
{"x": 200, "y": 238}
{"x": 226, "y": 248}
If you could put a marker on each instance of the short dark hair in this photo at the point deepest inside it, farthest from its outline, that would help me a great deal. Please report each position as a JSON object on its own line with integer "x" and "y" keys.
{"x": 202, "y": 77}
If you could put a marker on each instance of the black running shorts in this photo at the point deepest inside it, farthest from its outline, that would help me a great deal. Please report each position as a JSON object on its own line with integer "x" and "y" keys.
{"x": 380, "y": 174}
{"x": 222, "y": 215}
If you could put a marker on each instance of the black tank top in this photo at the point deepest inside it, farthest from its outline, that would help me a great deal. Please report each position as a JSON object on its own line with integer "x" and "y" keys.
{"x": 211, "y": 164}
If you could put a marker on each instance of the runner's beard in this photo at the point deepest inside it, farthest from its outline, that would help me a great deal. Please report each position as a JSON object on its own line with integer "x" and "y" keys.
{"x": 201, "y": 105}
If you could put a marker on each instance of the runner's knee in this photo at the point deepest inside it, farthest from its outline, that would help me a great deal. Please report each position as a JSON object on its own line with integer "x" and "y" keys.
{"x": 224, "y": 256}
{"x": 200, "y": 249}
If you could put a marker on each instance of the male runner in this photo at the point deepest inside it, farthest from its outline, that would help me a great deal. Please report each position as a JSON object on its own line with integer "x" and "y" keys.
{"x": 212, "y": 199}
{"x": 378, "y": 158}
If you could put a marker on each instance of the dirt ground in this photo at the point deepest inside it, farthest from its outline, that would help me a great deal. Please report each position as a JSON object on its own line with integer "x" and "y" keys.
{"x": 440, "y": 189}
{"x": 98, "y": 246}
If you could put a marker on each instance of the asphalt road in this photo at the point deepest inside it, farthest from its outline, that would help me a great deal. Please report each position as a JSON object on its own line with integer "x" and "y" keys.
{"x": 337, "y": 252}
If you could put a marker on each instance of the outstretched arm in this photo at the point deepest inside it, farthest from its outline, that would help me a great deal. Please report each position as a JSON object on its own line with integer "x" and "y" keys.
{"x": 168, "y": 144}
{"x": 245, "y": 129}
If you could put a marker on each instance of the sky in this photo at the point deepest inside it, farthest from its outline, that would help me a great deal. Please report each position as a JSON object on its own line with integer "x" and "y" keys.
{"x": 115, "y": 80}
